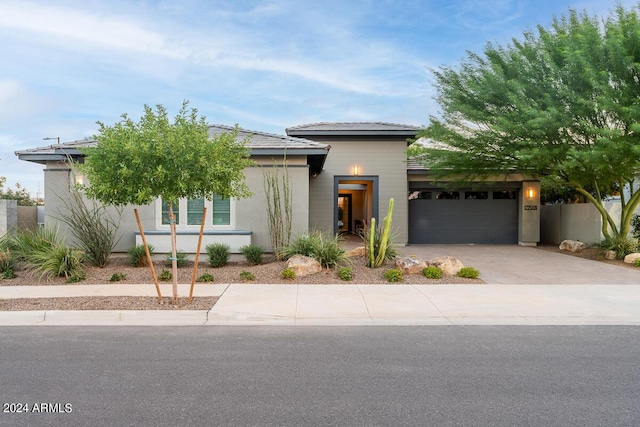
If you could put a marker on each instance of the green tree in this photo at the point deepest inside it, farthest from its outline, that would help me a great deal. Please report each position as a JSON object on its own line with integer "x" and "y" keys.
{"x": 19, "y": 193}
{"x": 137, "y": 162}
{"x": 563, "y": 102}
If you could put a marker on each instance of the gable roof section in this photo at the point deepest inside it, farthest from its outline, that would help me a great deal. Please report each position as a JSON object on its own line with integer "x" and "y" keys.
{"x": 55, "y": 151}
{"x": 354, "y": 129}
{"x": 261, "y": 144}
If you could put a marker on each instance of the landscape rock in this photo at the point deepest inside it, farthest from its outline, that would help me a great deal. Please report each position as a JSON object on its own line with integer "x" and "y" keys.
{"x": 303, "y": 265}
{"x": 631, "y": 258}
{"x": 610, "y": 255}
{"x": 411, "y": 265}
{"x": 448, "y": 264}
{"x": 357, "y": 252}
{"x": 572, "y": 245}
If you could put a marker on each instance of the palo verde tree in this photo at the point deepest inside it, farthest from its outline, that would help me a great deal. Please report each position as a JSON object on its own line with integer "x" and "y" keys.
{"x": 561, "y": 103}
{"x": 138, "y": 162}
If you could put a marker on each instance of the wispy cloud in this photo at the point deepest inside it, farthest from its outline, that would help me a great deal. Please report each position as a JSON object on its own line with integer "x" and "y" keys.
{"x": 57, "y": 24}
{"x": 266, "y": 65}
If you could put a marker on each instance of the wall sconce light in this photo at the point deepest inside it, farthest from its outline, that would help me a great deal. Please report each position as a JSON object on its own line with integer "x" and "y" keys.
{"x": 530, "y": 193}
{"x": 356, "y": 170}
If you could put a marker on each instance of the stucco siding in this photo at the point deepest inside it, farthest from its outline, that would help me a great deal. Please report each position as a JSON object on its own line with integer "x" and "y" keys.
{"x": 383, "y": 159}
{"x": 251, "y": 213}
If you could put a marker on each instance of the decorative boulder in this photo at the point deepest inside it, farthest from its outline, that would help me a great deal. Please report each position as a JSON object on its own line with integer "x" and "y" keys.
{"x": 410, "y": 265}
{"x": 572, "y": 245}
{"x": 448, "y": 264}
{"x": 359, "y": 251}
{"x": 610, "y": 255}
{"x": 631, "y": 258}
{"x": 303, "y": 265}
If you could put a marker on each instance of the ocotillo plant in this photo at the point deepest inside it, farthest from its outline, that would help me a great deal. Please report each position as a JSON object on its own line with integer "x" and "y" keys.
{"x": 376, "y": 259}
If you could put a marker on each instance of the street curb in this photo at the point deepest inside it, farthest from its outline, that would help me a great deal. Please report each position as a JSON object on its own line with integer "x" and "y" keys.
{"x": 104, "y": 318}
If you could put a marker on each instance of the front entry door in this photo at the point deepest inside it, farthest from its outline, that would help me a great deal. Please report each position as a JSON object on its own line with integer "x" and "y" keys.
{"x": 344, "y": 213}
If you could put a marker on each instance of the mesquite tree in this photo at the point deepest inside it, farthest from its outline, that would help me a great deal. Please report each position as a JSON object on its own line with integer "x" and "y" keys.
{"x": 138, "y": 162}
{"x": 562, "y": 103}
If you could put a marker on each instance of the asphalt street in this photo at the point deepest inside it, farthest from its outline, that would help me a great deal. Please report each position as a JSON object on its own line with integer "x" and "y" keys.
{"x": 304, "y": 376}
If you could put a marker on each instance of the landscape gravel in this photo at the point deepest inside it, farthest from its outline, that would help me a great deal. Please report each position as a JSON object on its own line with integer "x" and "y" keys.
{"x": 267, "y": 273}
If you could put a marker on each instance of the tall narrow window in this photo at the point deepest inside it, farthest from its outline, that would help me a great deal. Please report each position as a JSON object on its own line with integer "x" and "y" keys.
{"x": 195, "y": 207}
{"x": 221, "y": 211}
{"x": 165, "y": 212}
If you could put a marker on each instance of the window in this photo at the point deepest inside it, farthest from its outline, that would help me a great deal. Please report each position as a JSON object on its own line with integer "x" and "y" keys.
{"x": 188, "y": 213}
{"x": 504, "y": 195}
{"x": 476, "y": 195}
{"x": 195, "y": 207}
{"x": 447, "y": 195}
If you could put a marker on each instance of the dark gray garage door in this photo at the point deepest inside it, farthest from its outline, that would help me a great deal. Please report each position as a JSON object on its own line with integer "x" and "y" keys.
{"x": 461, "y": 216}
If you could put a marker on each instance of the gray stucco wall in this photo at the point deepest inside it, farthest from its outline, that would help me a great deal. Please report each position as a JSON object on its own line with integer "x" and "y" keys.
{"x": 579, "y": 221}
{"x": 57, "y": 180}
{"x": 8, "y": 216}
{"x": 251, "y": 213}
{"x": 384, "y": 159}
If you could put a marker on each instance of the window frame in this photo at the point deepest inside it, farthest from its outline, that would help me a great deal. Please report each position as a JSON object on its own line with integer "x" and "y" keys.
{"x": 182, "y": 209}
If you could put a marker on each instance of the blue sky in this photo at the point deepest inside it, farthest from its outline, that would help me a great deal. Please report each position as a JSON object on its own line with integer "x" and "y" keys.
{"x": 265, "y": 65}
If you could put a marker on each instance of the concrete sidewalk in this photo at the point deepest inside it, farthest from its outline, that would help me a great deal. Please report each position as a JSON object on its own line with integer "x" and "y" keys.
{"x": 353, "y": 305}
{"x": 526, "y": 286}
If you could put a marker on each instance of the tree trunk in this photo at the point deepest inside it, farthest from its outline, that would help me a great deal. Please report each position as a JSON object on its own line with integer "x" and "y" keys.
{"x": 174, "y": 259}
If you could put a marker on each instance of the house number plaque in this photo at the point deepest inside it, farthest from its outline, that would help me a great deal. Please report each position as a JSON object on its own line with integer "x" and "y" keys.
{"x": 530, "y": 207}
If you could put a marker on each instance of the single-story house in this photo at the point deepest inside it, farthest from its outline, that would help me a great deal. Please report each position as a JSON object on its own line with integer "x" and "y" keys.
{"x": 342, "y": 174}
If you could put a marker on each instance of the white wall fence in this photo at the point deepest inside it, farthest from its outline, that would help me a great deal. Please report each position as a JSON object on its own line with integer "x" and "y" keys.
{"x": 579, "y": 221}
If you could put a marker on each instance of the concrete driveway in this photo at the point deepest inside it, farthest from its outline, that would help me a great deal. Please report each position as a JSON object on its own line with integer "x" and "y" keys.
{"x": 514, "y": 265}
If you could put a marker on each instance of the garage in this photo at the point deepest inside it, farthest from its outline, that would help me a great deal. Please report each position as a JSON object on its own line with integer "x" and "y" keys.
{"x": 446, "y": 216}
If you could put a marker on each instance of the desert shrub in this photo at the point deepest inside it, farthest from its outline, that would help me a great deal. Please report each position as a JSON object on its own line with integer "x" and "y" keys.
{"x": 117, "y": 277}
{"x": 26, "y": 242}
{"x": 79, "y": 277}
{"x": 165, "y": 275}
{"x": 345, "y": 273}
{"x": 302, "y": 244}
{"x": 58, "y": 261}
{"x": 636, "y": 263}
{"x": 432, "y": 272}
{"x": 91, "y": 224}
{"x": 278, "y": 192}
{"x": 393, "y": 275}
{"x": 288, "y": 273}
{"x": 252, "y": 253}
{"x": 181, "y": 259}
{"x": 468, "y": 272}
{"x": 323, "y": 247}
{"x": 205, "y": 277}
{"x": 219, "y": 254}
{"x": 622, "y": 246}
{"x": 328, "y": 251}
{"x": 247, "y": 276}
{"x": 43, "y": 253}
{"x": 138, "y": 256}
{"x": 635, "y": 225}
{"x": 7, "y": 264}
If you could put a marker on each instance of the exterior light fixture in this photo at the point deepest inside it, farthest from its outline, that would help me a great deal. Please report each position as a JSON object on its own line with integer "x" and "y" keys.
{"x": 530, "y": 193}
{"x": 356, "y": 170}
